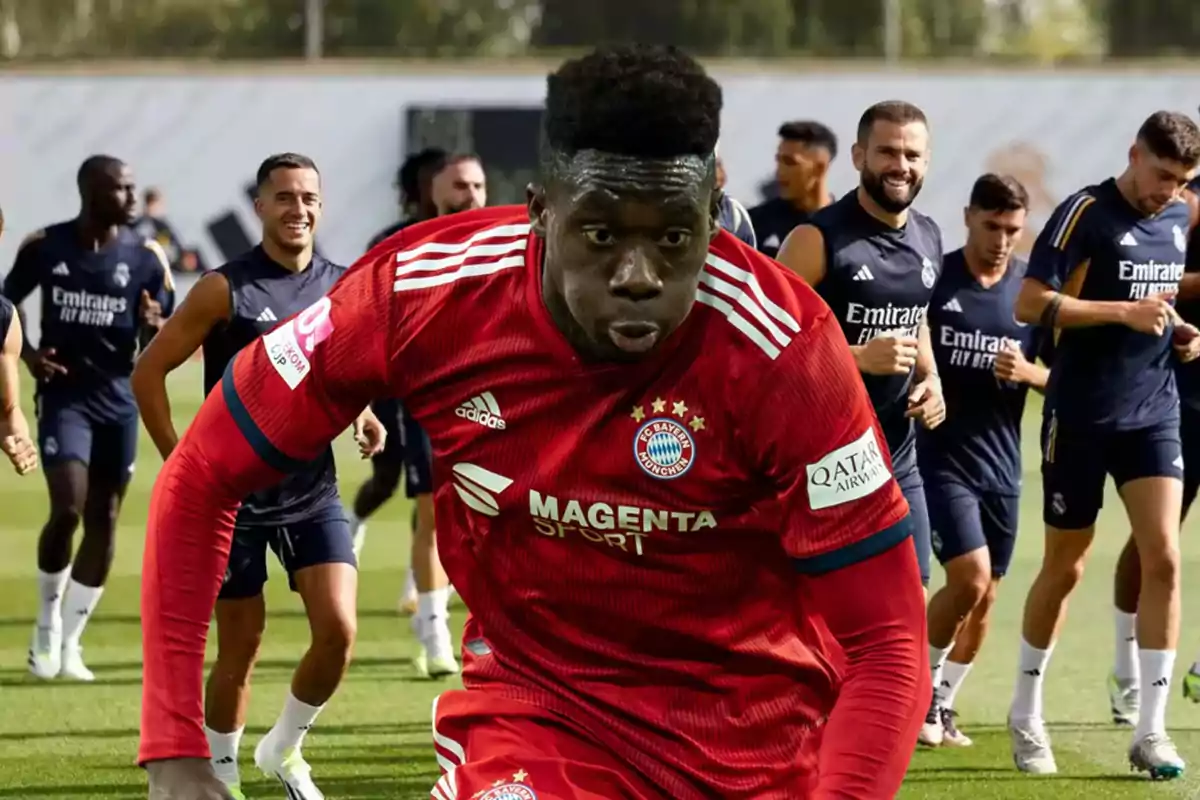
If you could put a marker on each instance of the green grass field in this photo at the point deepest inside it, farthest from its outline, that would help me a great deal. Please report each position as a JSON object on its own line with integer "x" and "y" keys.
{"x": 63, "y": 740}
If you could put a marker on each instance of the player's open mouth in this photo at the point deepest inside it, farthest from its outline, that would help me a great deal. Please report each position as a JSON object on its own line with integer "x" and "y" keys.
{"x": 897, "y": 182}
{"x": 297, "y": 227}
{"x": 633, "y": 337}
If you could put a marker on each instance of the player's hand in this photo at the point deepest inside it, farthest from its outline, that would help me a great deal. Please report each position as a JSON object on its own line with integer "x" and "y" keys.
{"x": 1151, "y": 314}
{"x": 185, "y": 779}
{"x": 370, "y": 435}
{"x": 150, "y": 311}
{"x": 926, "y": 404}
{"x": 1186, "y": 341}
{"x": 889, "y": 354}
{"x": 1011, "y": 364}
{"x": 43, "y": 366}
{"x": 16, "y": 443}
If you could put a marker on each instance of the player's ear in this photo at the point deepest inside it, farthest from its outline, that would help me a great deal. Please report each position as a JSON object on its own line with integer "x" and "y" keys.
{"x": 858, "y": 156}
{"x": 535, "y": 200}
{"x": 967, "y": 215}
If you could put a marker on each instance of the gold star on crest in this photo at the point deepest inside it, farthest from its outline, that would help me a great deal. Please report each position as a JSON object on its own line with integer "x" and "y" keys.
{"x": 697, "y": 423}
{"x": 499, "y": 782}
{"x": 520, "y": 775}
{"x": 638, "y": 414}
{"x": 659, "y": 405}
{"x": 680, "y": 409}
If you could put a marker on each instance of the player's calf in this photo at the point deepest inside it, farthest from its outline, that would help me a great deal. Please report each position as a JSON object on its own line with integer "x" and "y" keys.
{"x": 240, "y": 625}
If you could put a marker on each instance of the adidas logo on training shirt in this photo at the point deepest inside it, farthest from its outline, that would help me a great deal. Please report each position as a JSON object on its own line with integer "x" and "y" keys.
{"x": 1128, "y": 241}
{"x": 771, "y": 241}
{"x": 267, "y": 315}
{"x": 953, "y": 305}
{"x": 864, "y": 274}
{"x": 482, "y": 408}
{"x": 478, "y": 487}
{"x": 61, "y": 269}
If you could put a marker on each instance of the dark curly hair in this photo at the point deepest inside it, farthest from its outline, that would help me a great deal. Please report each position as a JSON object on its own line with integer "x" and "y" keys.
{"x": 645, "y": 101}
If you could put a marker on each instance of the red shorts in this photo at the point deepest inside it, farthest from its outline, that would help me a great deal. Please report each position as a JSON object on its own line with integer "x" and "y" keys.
{"x": 493, "y": 748}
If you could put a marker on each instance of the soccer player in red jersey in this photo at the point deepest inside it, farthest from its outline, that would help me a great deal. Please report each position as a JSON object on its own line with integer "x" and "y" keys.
{"x": 684, "y": 546}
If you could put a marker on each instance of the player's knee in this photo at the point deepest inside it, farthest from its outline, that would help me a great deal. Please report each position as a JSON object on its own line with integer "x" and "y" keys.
{"x": 1161, "y": 565}
{"x": 333, "y": 639}
{"x": 236, "y": 654}
{"x": 65, "y": 518}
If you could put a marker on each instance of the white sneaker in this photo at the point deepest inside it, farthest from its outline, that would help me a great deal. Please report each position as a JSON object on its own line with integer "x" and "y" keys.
{"x": 1124, "y": 699}
{"x": 45, "y": 653}
{"x": 1157, "y": 755}
{"x": 73, "y": 666}
{"x": 289, "y": 767}
{"x": 436, "y": 657}
{"x": 952, "y": 736}
{"x": 1031, "y": 747}
{"x": 932, "y": 732}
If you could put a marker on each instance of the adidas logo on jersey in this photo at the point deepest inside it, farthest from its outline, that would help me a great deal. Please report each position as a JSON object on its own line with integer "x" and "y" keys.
{"x": 953, "y": 305}
{"x": 482, "y": 408}
{"x": 1128, "y": 241}
{"x": 267, "y": 315}
{"x": 478, "y": 487}
{"x": 864, "y": 274}
{"x": 61, "y": 269}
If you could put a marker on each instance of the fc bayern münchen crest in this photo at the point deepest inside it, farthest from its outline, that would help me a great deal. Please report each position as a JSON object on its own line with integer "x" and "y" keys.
{"x": 509, "y": 791}
{"x": 928, "y": 273}
{"x": 664, "y": 448}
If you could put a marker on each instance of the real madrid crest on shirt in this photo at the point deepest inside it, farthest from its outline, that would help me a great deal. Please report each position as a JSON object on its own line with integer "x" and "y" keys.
{"x": 121, "y": 275}
{"x": 928, "y": 273}
{"x": 1181, "y": 239}
{"x": 664, "y": 445}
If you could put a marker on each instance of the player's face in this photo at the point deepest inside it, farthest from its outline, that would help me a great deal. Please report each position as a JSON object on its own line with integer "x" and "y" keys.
{"x": 289, "y": 206}
{"x": 1157, "y": 181}
{"x": 799, "y": 168}
{"x": 721, "y": 175}
{"x": 459, "y": 187}
{"x": 625, "y": 242}
{"x": 114, "y": 196}
{"x": 993, "y": 235}
{"x": 892, "y": 163}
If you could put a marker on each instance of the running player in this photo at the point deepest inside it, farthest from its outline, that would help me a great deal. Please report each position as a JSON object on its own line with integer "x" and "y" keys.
{"x": 104, "y": 291}
{"x": 301, "y": 519}
{"x": 875, "y": 261}
{"x": 660, "y": 551}
{"x": 971, "y": 465}
{"x": 802, "y": 160}
{"x": 1103, "y": 271}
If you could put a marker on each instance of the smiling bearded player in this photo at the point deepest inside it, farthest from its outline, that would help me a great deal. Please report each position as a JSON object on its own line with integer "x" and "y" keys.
{"x": 688, "y": 512}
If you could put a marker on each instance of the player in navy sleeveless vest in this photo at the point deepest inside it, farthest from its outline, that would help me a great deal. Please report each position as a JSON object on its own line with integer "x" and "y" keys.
{"x": 875, "y": 261}
{"x": 104, "y": 290}
{"x": 1102, "y": 272}
{"x": 971, "y": 464}
{"x": 15, "y": 440}
{"x": 301, "y": 518}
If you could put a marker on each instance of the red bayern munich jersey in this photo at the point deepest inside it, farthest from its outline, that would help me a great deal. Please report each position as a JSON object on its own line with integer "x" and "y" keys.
{"x": 626, "y": 535}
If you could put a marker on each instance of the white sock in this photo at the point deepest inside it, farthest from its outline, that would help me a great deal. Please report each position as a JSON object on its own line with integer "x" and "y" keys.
{"x": 434, "y": 605}
{"x": 51, "y": 587}
{"x": 937, "y": 658}
{"x": 953, "y": 675}
{"x": 293, "y": 723}
{"x": 1031, "y": 672}
{"x": 1156, "y": 666}
{"x": 78, "y": 606}
{"x": 1125, "y": 667}
{"x": 224, "y": 747}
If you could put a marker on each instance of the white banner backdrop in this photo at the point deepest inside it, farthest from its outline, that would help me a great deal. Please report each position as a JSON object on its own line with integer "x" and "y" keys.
{"x": 201, "y": 137}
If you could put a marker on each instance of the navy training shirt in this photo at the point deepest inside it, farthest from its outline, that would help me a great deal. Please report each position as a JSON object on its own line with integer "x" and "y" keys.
{"x": 979, "y": 443}
{"x": 262, "y": 293}
{"x": 1188, "y": 375}
{"x": 1096, "y": 246}
{"x": 7, "y": 312}
{"x": 878, "y": 280}
{"x": 772, "y": 221}
{"x": 91, "y": 302}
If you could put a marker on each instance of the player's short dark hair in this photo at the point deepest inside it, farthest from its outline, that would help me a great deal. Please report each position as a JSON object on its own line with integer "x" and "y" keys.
{"x": 993, "y": 192}
{"x": 409, "y": 176}
{"x": 283, "y": 161}
{"x": 810, "y": 133}
{"x": 152, "y": 195}
{"x": 646, "y": 101}
{"x": 1173, "y": 136}
{"x": 96, "y": 165}
{"x": 897, "y": 112}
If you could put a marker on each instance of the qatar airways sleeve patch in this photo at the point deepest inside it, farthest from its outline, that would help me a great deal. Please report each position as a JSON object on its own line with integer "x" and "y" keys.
{"x": 851, "y": 472}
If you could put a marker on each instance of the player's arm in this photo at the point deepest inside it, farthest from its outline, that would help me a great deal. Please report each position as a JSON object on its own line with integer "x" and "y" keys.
{"x": 848, "y": 532}
{"x": 1189, "y": 284}
{"x": 1057, "y": 269}
{"x": 206, "y": 306}
{"x": 803, "y": 252}
{"x": 20, "y": 282}
{"x": 925, "y": 401}
{"x": 157, "y": 300}
{"x": 15, "y": 440}
{"x": 283, "y": 399}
